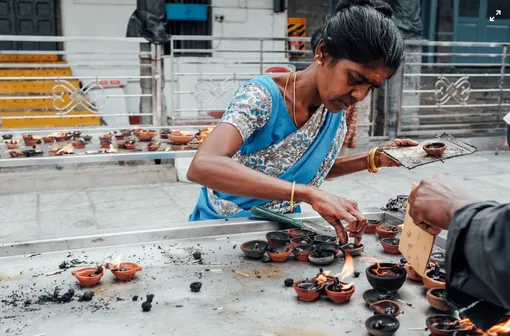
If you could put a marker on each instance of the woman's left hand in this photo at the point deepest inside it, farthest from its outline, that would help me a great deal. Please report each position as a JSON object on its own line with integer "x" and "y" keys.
{"x": 382, "y": 160}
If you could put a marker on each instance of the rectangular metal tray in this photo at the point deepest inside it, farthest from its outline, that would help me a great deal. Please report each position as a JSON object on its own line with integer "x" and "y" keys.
{"x": 228, "y": 303}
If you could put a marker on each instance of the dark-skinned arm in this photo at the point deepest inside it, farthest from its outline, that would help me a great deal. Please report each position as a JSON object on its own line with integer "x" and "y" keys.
{"x": 214, "y": 168}
{"x": 358, "y": 162}
{"x": 348, "y": 165}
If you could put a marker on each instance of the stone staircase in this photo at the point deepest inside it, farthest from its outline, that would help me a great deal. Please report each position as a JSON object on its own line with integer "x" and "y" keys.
{"x": 30, "y": 106}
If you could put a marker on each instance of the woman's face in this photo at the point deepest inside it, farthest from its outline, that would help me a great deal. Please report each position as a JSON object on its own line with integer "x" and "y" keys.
{"x": 344, "y": 83}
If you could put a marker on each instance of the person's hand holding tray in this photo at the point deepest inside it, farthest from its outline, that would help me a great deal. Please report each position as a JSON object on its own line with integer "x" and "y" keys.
{"x": 412, "y": 157}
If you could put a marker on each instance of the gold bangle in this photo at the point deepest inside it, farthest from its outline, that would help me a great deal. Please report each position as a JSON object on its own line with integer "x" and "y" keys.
{"x": 373, "y": 166}
{"x": 292, "y": 197}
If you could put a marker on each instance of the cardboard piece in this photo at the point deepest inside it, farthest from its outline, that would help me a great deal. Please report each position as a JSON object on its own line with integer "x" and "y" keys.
{"x": 415, "y": 244}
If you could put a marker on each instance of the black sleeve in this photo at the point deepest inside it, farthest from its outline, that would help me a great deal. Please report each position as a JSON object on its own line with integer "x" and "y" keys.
{"x": 478, "y": 255}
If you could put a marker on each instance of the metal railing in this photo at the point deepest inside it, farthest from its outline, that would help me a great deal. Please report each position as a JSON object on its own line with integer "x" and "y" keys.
{"x": 95, "y": 63}
{"x": 456, "y": 87}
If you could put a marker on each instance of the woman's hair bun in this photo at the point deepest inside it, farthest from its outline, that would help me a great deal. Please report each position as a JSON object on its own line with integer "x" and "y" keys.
{"x": 379, "y": 5}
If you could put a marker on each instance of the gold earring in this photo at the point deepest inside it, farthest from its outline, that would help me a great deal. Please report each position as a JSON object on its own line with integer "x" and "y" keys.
{"x": 355, "y": 94}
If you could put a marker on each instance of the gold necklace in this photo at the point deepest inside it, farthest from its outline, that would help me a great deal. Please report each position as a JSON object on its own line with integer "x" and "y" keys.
{"x": 285, "y": 95}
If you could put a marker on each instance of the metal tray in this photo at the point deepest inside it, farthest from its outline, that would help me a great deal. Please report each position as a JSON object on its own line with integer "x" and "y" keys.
{"x": 412, "y": 157}
{"x": 227, "y": 304}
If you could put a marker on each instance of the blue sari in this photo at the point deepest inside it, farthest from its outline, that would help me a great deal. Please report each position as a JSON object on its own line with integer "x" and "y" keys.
{"x": 277, "y": 128}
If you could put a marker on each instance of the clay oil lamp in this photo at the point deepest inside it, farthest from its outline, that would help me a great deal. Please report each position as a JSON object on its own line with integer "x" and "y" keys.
{"x": 384, "y": 231}
{"x": 340, "y": 292}
{"x": 300, "y": 241}
{"x": 435, "y": 278}
{"x": 76, "y": 134}
{"x": 320, "y": 257}
{"x": 125, "y": 271}
{"x": 49, "y": 139}
{"x": 203, "y": 133}
{"x": 352, "y": 249}
{"x": 180, "y": 138}
{"x": 87, "y": 137}
{"x": 12, "y": 144}
{"x": 390, "y": 245}
{"x": 26, "y": 137}
{"x": 325, "y": 239}
{"x": 301, "y": 252}
{"x": 377, "y": 294}
{"x": 436, "y": 298}
{"x": 386, "y": 307}
{"x": 329, "y": 247}
{"x": 89, "y": 276}
{"x": 279, "y": 254}
{"x": 7, "y": 136}
{"x": 153, "y": 146}
{"x": 300, "y": 233}
{"x": 386, "y": 275}
{"x": 32, "y": 140}
{"x": 437, "y": 258}
{"x": 119, "y": 136}
{"x": 382, "y": 325}
{"x": 145, "y": 135}
{"x": 126, "y": 132}
{"x": 277, "y": 238}
{"x": 307, "y": 290}
{"x": 412, "y": 274}
{"x": 130, "y": 144}
{"x": 372, "y": 225}
{"x": 435, "y": 148}
{"x": 254, "y": 249}
{"x": 105, "y": 144}
{"x": 121, "y": 144}
{"x": 61, "y": 137}
{"x": 78, "y": 143}
{"x": 442, "y": 325}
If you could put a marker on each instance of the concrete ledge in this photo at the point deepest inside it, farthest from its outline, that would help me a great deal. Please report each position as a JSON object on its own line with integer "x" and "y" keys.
{"x": 79, "y": 177}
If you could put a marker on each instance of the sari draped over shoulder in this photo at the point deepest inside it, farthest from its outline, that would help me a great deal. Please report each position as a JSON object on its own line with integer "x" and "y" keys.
{"x": 274, "y": 146}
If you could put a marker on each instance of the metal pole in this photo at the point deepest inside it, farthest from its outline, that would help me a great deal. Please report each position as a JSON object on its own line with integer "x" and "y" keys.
{"x": 261, "y": 56}
{"x": 171, "y": 81}
{"x": 395, "y": 128}
{"x": 156, "y": 117}
{"x": 502, "y": 80}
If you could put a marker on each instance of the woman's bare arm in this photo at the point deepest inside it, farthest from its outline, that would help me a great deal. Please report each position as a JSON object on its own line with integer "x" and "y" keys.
{"x": 214, "y": 168}
{"x": 348, "y": 165}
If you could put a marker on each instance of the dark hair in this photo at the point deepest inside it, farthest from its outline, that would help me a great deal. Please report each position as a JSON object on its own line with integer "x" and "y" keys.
{"x": 362, "y": 31}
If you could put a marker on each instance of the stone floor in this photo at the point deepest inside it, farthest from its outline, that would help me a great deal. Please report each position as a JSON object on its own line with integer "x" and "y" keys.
{"x": 55, "y": 214}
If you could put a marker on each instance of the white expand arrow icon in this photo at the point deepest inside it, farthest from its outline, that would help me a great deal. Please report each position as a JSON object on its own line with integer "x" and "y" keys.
{"x": 491, "y": 18}
{"x": 498, "y": 12}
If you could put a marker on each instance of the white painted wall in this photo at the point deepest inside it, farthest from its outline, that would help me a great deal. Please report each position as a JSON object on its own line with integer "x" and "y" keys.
{"x": 242, "y": 18}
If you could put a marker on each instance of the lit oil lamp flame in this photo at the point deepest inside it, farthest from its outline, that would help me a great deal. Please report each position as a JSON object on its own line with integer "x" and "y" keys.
{"x": 113, "y": 264}
{"x": 502, "y": 328}
{"x": 347, "y": 270}
{"x": 322, "y": 278}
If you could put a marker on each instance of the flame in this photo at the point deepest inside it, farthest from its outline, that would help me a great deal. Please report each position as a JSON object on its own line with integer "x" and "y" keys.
{"x": 68, "y": 149}
{"x": 502, "y": 328}
{"x": 381, "y": 270}
{"x": 348, "y": 268}
{"x": 113, "y": 264}
{"x": 322, "y": 278}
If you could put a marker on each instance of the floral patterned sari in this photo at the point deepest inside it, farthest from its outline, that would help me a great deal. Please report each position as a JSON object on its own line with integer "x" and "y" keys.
{"x": 274, "y": 146}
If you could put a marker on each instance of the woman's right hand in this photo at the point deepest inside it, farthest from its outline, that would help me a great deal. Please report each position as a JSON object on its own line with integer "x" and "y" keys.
{"x": 334, "y": 209}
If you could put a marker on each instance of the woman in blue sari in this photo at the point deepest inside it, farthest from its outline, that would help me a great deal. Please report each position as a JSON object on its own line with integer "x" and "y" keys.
{"x": 281, "y": 135}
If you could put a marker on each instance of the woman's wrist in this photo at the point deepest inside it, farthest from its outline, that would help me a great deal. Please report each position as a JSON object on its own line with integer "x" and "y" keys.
{"x": 304, "y": 193}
